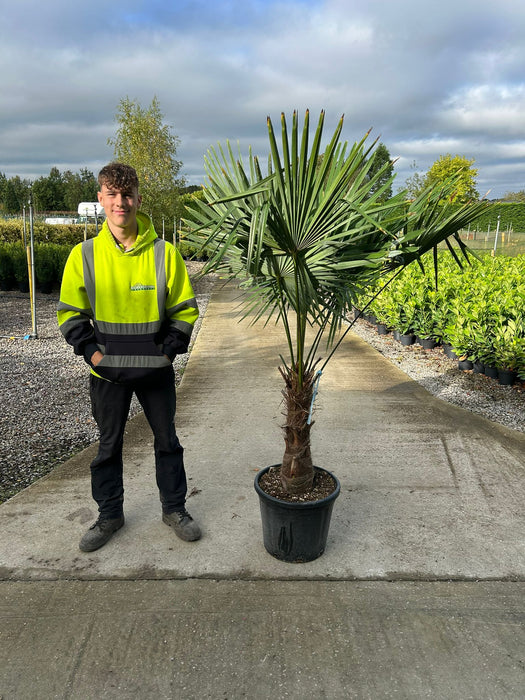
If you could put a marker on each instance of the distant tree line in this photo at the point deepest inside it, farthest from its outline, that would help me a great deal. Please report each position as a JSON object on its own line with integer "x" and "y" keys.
{"x": 56, "y": 192}
{"x": 514, "y": 196}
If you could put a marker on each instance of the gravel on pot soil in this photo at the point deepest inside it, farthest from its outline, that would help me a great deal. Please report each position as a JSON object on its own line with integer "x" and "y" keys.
{"x": 323, "y": 486}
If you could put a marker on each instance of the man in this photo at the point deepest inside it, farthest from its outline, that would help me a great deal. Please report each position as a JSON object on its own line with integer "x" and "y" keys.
{"x": 127, "y": 306}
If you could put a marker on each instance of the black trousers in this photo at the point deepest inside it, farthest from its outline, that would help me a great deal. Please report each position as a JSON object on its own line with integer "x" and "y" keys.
{"x": 110, "y": 406}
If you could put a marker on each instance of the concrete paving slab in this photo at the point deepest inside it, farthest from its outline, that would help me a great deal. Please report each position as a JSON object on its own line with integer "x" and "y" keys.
{"x": 200, "y": 639}
{"x": 428, "y": 491}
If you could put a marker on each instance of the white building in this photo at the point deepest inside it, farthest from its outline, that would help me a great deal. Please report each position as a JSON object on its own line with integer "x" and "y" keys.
{"x": 91, "y": 209}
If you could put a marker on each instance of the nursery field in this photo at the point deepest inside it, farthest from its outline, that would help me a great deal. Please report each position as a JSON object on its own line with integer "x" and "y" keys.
{"x": 477, "y": 311}
{"x": 512, "y": 243}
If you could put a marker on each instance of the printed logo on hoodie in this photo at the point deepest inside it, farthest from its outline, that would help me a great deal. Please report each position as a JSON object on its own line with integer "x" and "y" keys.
{"x": 142, "y": 287}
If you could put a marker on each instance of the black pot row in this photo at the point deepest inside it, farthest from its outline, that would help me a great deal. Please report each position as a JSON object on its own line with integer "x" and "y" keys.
{"x": 503, "y": 376}
{"x": 506, "y": 377}
{"x": 408, "y": 338}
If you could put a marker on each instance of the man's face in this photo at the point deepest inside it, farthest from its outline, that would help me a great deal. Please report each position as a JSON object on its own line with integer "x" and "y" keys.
{"x": 120, "y": 206}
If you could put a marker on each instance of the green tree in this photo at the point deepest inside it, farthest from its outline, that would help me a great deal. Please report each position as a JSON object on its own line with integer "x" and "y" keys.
{"x": 514, "y": 196}
{"x": 414, "y": 184}
{"x": 48, "y": 192}
{"x": 79, "y": 187}
{"x": 72, "y": 190}
{"x": 3, "y": 187}
{"x": 146, "y": 143}
{"x": 16, "y": 194}
{"x": 447, "y": 166}
{"x": 190, "y": 189}
{"x": 382, "y": 166}
{"x": 89, "y": 186}
{"x": 305, "y": 241}
{"x": 12, "y": 203}
{"x": 23, "y": 190}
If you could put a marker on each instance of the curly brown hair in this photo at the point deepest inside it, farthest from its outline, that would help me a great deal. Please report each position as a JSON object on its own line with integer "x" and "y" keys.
{"x": 118, "y": 175}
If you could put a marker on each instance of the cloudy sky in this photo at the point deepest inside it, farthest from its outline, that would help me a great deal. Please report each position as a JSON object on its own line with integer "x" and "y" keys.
{"x": 429, "y": 77}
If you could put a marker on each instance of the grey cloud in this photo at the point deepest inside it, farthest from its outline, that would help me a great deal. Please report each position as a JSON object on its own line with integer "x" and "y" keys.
{"x": 429, "y": 78}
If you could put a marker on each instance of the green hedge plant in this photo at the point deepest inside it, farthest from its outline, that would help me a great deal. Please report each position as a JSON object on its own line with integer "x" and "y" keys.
{"x": 20, "y": 266}
{"x": 7, "y": 273}
{"x": 49, "y": 260}
{"x": 479, "y": 310}
{"x": 45, "y": 265}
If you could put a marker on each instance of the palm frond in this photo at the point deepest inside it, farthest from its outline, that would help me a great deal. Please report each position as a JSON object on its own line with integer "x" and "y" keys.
{"x": 313, "y": 231}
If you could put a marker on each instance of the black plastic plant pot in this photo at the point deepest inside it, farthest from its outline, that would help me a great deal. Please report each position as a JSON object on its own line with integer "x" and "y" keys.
{"x": 491, "y": 371}
{"x": 428, "y": 343}
{"x": 506, "y": 377}
{"x": 449, "y": 351}
{"x": 407, "y": 339}
{"x": 295, "y": 532}
{"x": 465, "y": 364}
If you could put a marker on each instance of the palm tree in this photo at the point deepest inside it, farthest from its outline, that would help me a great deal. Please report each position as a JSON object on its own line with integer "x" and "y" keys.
{"x": 305, "y": 240}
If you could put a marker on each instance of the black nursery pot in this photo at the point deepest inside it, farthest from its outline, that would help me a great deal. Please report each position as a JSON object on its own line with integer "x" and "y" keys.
{"x": 295, "y": 532}
{"x": 491, "y": 371}
{"x": 507, "y": 377}
{"x": 407, "y": 339}
{"x": 449, "y": 351}
{"x": 428, "y": 343}
{"x": 465, "y": 364}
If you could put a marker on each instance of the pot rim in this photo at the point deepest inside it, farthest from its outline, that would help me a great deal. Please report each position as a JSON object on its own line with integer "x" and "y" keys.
{"x": 295, "y": 504}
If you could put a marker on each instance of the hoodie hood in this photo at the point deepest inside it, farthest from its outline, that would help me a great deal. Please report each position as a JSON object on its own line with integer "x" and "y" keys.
{"x": 146, "y": 234}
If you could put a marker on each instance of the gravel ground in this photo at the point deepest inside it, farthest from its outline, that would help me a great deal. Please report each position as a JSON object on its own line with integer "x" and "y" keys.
{"x": 45, "y": 414}
{"x": 442, "y": 378}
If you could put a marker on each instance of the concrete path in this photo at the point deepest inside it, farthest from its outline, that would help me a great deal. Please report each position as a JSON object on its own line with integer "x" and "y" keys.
{"x": 419, "y": 592}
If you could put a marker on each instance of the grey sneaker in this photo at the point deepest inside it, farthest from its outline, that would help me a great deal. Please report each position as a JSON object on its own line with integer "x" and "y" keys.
{"x": 185, "y": 527}
{"x": 100, "y": 533}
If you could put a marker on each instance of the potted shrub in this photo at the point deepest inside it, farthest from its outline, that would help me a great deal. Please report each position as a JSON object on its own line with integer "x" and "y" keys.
{"x": 423, "y": 326}
{"x": 382, "y": 310}
{"x": 402, "y": 308}
{"x": 407, "y": 310}
{"x": 430, "y": 313}
{"x": 460, "y": 338}
{"x": 482, "y": 315}
{"x": 509, "y": 350}
{"x": 45, "y": 266}
{"x": 7, "y": 276}
{"x": 304, "y": 240}
{"x": 62, "y": 254}
{"x": 20, "y": 267}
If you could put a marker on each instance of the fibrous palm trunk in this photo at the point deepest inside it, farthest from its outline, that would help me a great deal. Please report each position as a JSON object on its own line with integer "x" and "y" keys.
{"x": 297, "y": 471}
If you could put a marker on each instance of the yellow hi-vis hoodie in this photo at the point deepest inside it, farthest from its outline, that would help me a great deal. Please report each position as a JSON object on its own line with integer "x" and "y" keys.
{"x": 137, "y": 307}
